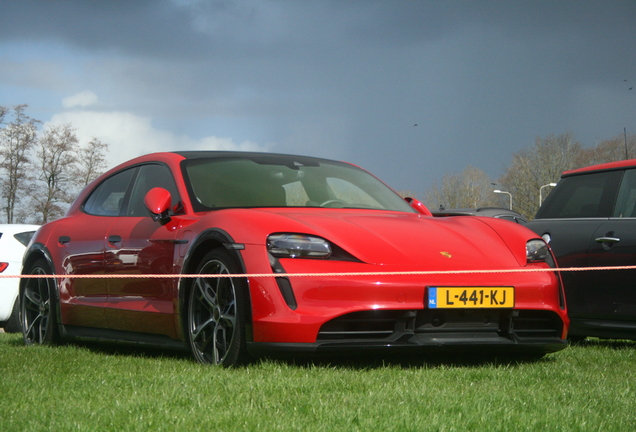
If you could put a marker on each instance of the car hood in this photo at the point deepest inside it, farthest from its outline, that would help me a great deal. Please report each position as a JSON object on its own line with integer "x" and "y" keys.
{"x": 405, "y": 239}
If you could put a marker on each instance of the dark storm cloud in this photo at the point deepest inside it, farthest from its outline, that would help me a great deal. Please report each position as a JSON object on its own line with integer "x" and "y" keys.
{"x": 298, "y": 35}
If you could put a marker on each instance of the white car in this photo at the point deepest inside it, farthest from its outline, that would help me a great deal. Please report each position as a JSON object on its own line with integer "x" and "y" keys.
{"x": 13, "y": 241}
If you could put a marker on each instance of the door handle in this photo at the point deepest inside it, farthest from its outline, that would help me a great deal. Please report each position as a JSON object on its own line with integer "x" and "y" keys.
{"x": 114, "y": 239}
{"x": 608, "y": 240}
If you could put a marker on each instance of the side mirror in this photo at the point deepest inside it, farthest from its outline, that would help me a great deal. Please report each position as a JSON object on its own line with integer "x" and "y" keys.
{"x": 418, "y": 206}
{"x": 157, "y": 201}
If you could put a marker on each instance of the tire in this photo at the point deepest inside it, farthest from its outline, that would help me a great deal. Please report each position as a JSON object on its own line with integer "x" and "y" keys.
{"x": 217, "y": 312}
{"x": 13, "y": 323}
{"x": 38, "y": 307}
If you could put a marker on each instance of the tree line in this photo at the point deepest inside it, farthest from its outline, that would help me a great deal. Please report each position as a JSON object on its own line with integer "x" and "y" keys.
{"x": 529, "y": 177}
{"x": 42, "y": 169}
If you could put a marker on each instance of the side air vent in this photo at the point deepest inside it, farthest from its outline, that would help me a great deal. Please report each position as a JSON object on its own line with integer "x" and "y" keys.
{"x": 536, "y": 324}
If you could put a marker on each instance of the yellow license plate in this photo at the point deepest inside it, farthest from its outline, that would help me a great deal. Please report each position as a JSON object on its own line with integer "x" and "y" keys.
{"x": 471, "y": 297}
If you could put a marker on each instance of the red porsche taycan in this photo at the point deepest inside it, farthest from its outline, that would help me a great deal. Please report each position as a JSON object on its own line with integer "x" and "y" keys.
{"x": 233, "y": 255}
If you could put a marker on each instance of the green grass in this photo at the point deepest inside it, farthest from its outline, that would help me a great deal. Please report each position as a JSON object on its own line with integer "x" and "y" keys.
{"x": 590, "y": 387}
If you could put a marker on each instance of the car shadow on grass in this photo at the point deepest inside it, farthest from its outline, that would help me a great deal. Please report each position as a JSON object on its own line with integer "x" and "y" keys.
{"x": 125, "y": 350}
{"x": 350, "y": 361}
{"x": 616, "y": 344}
{"x": 427, "y": 360}
{"x": 17, "y": 340}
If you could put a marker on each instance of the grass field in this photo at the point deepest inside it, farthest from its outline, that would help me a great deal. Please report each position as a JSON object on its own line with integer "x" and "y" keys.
{"x": 589, "y": 387}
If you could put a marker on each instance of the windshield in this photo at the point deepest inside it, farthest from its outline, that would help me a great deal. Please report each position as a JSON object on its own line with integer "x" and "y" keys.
{"x": 285, "y": 181}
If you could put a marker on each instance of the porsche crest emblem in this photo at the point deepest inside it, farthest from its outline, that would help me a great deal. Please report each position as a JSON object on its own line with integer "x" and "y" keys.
{"x": 446, "y": 254}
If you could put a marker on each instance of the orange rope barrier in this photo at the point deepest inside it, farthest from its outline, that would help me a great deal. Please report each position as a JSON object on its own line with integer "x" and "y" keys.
{"x": 257, "y": 275}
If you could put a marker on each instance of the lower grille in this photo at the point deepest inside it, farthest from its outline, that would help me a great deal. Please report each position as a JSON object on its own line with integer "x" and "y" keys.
{"x": 391, "y": 325}
{"x": 367, "y": 325}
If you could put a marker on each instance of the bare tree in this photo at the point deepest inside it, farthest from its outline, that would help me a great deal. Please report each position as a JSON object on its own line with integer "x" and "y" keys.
{"x": 537, "y": 167}
{"x": 17, "y": 138}
{"x": 56, "y": 156}
{"x": 91, "y": 162}
{"x": 614, "y": 149}
{"x": 470, "y": 189}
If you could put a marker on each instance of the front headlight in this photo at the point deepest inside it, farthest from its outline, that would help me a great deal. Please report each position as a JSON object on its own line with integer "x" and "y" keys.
{"x": 298, "y": 246}
{"x": 537, "y": 251}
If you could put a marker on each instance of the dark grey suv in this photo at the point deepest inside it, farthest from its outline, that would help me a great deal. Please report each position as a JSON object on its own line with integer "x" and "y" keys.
{"x": 589, "y": 219}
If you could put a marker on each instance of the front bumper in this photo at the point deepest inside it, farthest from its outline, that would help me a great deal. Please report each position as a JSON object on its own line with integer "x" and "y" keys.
{"x": 398, "y": 331}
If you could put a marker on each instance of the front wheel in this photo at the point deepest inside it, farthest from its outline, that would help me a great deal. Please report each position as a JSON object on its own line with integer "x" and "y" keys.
{"x": 217, "y": 312}
{"x": 37, "y": 307}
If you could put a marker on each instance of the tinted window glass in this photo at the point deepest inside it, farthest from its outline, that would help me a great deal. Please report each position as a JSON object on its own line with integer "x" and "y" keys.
{"x": 24, "y": 237}
{"x": 285, "y": 182}
{"x": 108, "y": 198}
{"x": 348, "y": 192}
{"x": 582, "y": 196}
{"x": 626, "y": 202}
{"x": 515, "y": 219}
{"x": 150, "y": 176}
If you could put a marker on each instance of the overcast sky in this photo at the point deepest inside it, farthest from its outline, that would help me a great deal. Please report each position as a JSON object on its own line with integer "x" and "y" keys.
{"x": 408, "y": 89}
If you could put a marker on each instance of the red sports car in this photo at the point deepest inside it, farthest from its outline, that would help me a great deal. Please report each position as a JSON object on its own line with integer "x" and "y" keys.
{"x": 233, "y": 255}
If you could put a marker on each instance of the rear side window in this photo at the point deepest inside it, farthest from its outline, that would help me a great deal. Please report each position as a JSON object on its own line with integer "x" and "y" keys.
{"x": 24, "y": 237}
{"x": 107, "y": 199}
{"x": 582, "y": 196}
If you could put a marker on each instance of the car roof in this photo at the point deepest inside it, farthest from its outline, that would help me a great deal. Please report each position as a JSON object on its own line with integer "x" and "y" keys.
{"x": 257, "y": 156}
{"x": 262, "y": 157}
{"x": 609, "y": 166}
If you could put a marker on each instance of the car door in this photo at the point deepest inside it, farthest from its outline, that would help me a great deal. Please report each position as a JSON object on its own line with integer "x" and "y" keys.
{"x": 138, "y": 245}
{"x": 570, "y": 219}
{"x": 80, "y": 250}
{"x": 613, "y": 292}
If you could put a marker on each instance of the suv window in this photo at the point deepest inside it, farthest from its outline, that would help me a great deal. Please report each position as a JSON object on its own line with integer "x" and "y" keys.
{"x": 626, "y": 202}
{"x": 582, "y": 196}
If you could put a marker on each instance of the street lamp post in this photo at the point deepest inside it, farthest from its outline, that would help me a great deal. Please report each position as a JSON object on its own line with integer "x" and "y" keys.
{"x": 504, "y": 192}
{"x": 541, "y": 191}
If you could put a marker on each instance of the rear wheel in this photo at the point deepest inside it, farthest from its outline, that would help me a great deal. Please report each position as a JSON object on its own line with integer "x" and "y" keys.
{"x": 217, "y": 312}
{"x": 37, "y": 307}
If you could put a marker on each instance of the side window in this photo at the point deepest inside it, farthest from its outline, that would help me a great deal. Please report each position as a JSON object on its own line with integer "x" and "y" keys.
{"x": 24, "y": 237}
{"x": 582, "y": 196}
{"x": 626, "y": 202}
{"x": 150, "y": 176}
{"x": 108, "y": 198}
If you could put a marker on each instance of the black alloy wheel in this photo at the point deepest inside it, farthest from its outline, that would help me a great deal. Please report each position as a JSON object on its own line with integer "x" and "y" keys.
{"x": 37, "y": 307}
{"x": 217, "y": 311}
